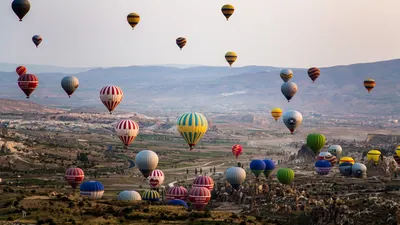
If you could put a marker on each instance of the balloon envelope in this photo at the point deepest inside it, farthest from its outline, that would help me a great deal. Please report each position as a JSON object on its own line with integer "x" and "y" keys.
{"x": 151, "y": 195}
{"x": 276, "y": 113}
{"x": 257, "y": 166}
{"x": 129, "y": 196}
{"x": 269, "y": 167}
{"x": 359, "y": 170}
{"x": 92, "y": 189}
{"x": 289, "y": 90}
{"x": 70, "y": 84}
{"x": 292, "y": 119}
{"x": 345, "y": 168}
{"x": 178, "y": 202}
{"x": 285, "y": 175}
{"x": 177, "y": 193}
{"x": 127, "y": 131}
{"x": 156, "y": 178}
{"x": 286, "y": 75}
{"x": 235, "y": 176}
{"x": 227, "y": 10}
{"x": 146, "y": 161}
{"x": 237, "y": 150}
{"x": 20, "y": 8}
{"x": 316, "y": 142}
{"x": 323, "y": 167}
{"x": 111, "y": 96}
{"x": 335, "y": 150}
{"x": 192, "y": 127}
{"x": 74, "y": 177}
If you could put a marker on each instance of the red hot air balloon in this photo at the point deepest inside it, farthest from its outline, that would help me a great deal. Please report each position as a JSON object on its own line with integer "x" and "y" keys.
{"x": 111, "y": 96}
{"x": 127, "y": 131}
{"x": 177, "y": 193}
{"x": 21, "y": 70}
{"x": 237, "y": 150}
{"x": 313, "y": 73}
{"x": 74, "y": 177}
{"x": 199, "y": 197}
{"x": 156, "y": 178}
{"x": 204, "y": 181}
{"x": 28, "y": 83}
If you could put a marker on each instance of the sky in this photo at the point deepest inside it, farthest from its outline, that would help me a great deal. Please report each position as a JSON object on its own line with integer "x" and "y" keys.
{"x": 282, "y": 33}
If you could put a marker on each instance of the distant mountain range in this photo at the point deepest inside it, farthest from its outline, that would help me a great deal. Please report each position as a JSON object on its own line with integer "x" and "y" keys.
{"x": 223, "y": 89}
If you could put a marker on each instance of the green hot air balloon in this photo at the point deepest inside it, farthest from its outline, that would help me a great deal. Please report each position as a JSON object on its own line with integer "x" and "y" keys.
{"x": 316, "y": 142}
{"x": 285, "y": 175}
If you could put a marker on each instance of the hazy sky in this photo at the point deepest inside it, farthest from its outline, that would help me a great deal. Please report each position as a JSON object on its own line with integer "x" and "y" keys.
{"x": 284, "y": 33}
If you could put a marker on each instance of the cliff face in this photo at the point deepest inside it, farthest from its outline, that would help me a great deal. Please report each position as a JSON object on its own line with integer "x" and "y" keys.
{"x": 306, "y": 153}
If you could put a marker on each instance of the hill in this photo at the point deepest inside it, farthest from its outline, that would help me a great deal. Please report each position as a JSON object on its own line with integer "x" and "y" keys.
{"x": 13, "y": 106}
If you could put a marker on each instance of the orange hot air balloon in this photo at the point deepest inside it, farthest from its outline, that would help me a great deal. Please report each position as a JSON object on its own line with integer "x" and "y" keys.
{"x": 28, "y": 83}
{"x": 237, "y": 150}
{"x": 111, "y": 96}
{"x": 369, "y": 84}
{"x": 21, "y": 70}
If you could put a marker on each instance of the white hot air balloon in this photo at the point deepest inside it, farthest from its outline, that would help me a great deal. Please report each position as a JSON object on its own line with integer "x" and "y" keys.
{"x": 156, "y": 178}
{"x": 111, "y": 96}
{"x": 235, "y": 176}
{"x": 335, "y": 150}
{"x": 127, "y": 131}
{"x": 129, "y": 196}
{"x": 146, "y": 161}
{"x": 292, "y": 119}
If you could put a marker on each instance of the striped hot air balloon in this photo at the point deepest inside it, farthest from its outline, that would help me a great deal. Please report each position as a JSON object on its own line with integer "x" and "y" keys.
{"x": 151, "y": 195}
{"x": 130, "y": 196}
{"x": 127, "y": 131}
{"x": 369, "y": 84}
{"x": 237, "y": 150}
{"x": 199, "y": 197}
{"x": 74, "y": 177}
{"x": 374, "y": 155}
{"x": 69, "y": 84}
{"x": 21, "y": 70}
{"x": 204, "y": 181}
{"x": 28, "y": 83}
{"x": 92, "y": 189}
{"x": 286, "y": 75}
{"x": 177, "y": 193}
{"x": 285, "y": 175}
{"x": 316, "y": 142}
{"x": 156, "y": 178}
{"x": 313, "y": 73}
{"x": 192, "y": 127}
{"x": 276, "y": 113}
{"x": 181, "y": 42}
{"x": 146, "y": 162}
{"x": 346, "y": 159}
{"x": 230, "y": 57}
{"x": 323, "y": 167}
{"x": 227, "y": 10}
{"x": 111, "y": 96}
{"x": 133, "y": 19}
{"x": 37, "y": 39}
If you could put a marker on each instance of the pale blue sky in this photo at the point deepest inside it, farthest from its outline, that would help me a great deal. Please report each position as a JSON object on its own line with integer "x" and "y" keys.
{"x": 283, "y": 33}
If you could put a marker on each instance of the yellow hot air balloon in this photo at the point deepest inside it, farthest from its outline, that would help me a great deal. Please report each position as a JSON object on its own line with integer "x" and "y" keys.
{"x": 374, "y": 155}
{"x": 398, "y": 151}
{"x": 133, "y": 19}
{"x": 192, "y": 127}
{"x": 346, "y": 159}
{"x": 230, "y": 57}
{"x": 227, "y": 10}
{"x": 276, "y": 113}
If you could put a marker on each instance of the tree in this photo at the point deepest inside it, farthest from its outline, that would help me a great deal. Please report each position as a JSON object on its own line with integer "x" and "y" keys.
{"x": 187, "y": 171}
{"x": 214, "y": 169}
{"x": 195, "y": 171}
{"x": 201, "y": 170}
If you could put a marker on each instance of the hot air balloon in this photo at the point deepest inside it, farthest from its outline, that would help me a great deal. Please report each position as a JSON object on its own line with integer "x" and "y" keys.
{"x": 227, "y": 10}
{"x": 257, "y": 167}
{"x": 286, "y": 75}
{"x": 156, "y": 178}
{"x": 177, "y": 193}
{"x": 237, "y": 150}
{"x": 28, "y": 83}
{"x": 323, "y": 167}
{"x": 181, "y": 42}
{"x": 289, "y": 89}
{"x": 146, "y": 162}
{"x": 20, "y": 8}
{"x": 69, "y": 84}
{"x": 359, "y": 170}
{"x": 335, "y": 150}
{"x": 74, "y": 177}
{"x": 111, "y": 96}
{"x": 192, "y": 127}
{"x": 397, "y": 159}
{"x": 276, "y": 113}
{"x": 127, "y": 131}
{"x": 151, "y": 195}
{"x": 204, "y": 181}
{"x": 21, "y": 70}
{"x": 131, "y": 196}
{"x": 199, "y": 197}
{"x": 177, "y": 202}
{"x": 346, "y": 159}
{"x": 230, "y": 57}
{"x": 285, "y": 175}
{"x": 37, "y": 39}
{"x": 92, "y": 189}
{"x": 374, "y": 155}
{"x": 328, "y": 157}
{"x": 313, "y": 73}
{"x": 345, "y": 168}
{"x": 292, "y": 119}
{"x": 316, "y": 142}
{"x": 398, "y": 150}
{"x": 133, "y": 19}
{"x": 269, "y": 167}
{"x": 235, "y": 176}
{"x": 369, "y": 84}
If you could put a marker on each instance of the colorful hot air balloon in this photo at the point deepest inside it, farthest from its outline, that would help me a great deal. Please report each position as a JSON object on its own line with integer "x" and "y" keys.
{"x": 227, "y": 10}
{"x": 235, "y": 176}
{"x": 199, "y": 197}
{"x": 286, "y": 75}
{"x": 285, "y": 175}
{"x": 369, "y": 84}
{"x": 156, "y": 178}
{"x": 151, "y": 195}
{"x": 398, "y": 150}
{"x": 397, "y": 159}
{"x": 133, "y": 19}
{"x": 177, "y": 193}
{"x": 37, "y": 39}
{"x": 131, "y": 196}
{"x": 345, "y": 168}
{"x": 178, "y": 202}
{"x": 146, "y": 162}
{"x": 359, "y": 170}
{"x": 127, "y": 131}
{"x": 335, "y": 150}
{"x": 181, "y": 42}
{"x": 230, "y": 57}
{"x": 20, "y": 8}
{"x": 276, "y": 113}
{"x": 328, "y": 157}
{"x": 192, "y": 127}
{"x": 269, "y": 167}
{"x": 204, "y": 181}
{"x": 92, "y": 189}
{"x": 346, "y": 159}
{"x": 292, "y": 119}
{"x": 313, "y": 73}
{"x": 289, "y": 90}
{"x": 69, "y": 84}
{"x": 28, "y": 83}
{"x": 323, "y": 167}
{"x": 374, "y": 155}
{"x": 21, "y": 70}
{"x": 257, "y": 167}
{"x": 237, "y": 150}
{"x": 111, "y": 96}
{"x": 74, "y": 177}
{"x": 316, "y": 142}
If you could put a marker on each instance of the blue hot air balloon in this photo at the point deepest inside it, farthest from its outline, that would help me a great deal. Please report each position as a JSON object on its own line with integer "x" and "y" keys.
{"x": 269, "y": 167}
{"x": 257, "y": 166}
{"x": 323, "y": 167}
{"x": 345, "y": 169}
{"x": 92, "y": 189}
{"x": 178, "y": 202}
